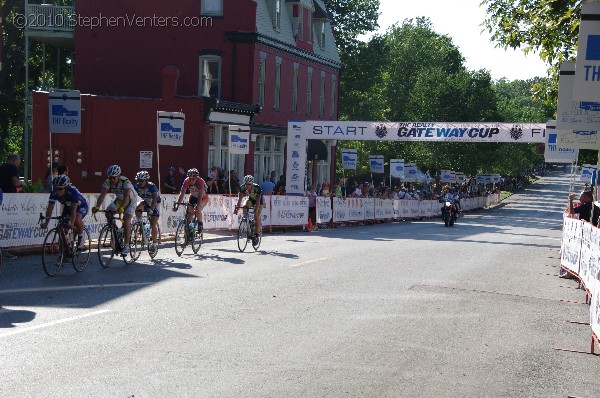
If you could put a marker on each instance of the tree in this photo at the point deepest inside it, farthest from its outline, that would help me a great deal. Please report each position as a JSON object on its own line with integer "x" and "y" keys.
{"x": 546, "y": 27}
{"x": 352, "y": 18}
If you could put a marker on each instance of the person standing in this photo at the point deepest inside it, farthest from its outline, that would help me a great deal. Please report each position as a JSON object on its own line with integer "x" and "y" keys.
{"x": 585, "y": 208}
{"x": 182, "y": 176}
{"x": 50, "y": 174}
{"x": 267, "y": 186}
{"x": 9, "y": 174}
{"x": 170, "y": 184}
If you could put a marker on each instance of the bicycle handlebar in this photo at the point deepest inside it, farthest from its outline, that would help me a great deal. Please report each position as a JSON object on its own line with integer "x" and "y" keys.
{"x": 120, "y": 218}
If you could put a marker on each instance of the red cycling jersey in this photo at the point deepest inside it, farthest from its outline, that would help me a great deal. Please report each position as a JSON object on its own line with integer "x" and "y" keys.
{"x": 195, "y": 188}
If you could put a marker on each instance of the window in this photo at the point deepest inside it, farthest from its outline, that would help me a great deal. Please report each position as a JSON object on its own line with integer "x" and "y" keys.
{"x": 322, "y": 95}
{"x": 277, "y": 83}
{"x": 268, "y": 156}
{"x": 261, "y": 78}
{"x": 321, "y": 33}
{"x": 309, "y": 26}
{"x": 309, "y": 91}
{"x": 277, "y": 15}
{"x": 218, "y": 150}
{"x": 332, "y": 107}
{"x": 299, "y": 22}
{"x": 295, "y": 88}
{"x": 212, "y": 8}
{"x": 210, "y": 76}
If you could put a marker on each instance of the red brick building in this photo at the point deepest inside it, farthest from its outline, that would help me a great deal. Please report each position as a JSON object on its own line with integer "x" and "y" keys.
{"x": 258, "y": 63}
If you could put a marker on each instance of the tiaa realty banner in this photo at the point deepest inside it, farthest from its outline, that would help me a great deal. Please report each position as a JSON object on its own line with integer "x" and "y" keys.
{"x": 587, "y": 173}
{"x": 349, "y": 157}
{"x": 64, "y": 108}
{"x": 397, "y": 168}
{"x": 169, "y": 127}
{"x": 376, "y": 163}
{"x": 410, "y": 172}
{"x": 554, "y": 153}
{"x": 448, "y": 176}
{"x": 239, "y": 140}
{"x": 461, "y": 178}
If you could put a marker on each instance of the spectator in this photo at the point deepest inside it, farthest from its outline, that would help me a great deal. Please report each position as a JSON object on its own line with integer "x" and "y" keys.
{"x": 267, "y": 186}
{"x": 312, "y": 206}
{"x": 62, "y": 169}
{"x": 280, "y": 186}
{"x": 273, "y": 176}
{"x": 9, "y": 174}
{"x": 50, "y": 174}
{"x": 584, "y": 209}
{"x": 170, "y": 184}
{"x": 233, "y": 182}
{"x": 324, "y": 189}
{"x": 212, "y": 181}
{"x": 182, "y": 176}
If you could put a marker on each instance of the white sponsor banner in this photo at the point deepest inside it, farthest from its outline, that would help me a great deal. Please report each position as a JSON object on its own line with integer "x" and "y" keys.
{"x": 397, "y": 168}
{"x": 64, "y": 111}
{"x": 239, "y": 140}
{"x": 484, "y": 178}
{"x": 296, "y": 158}
{"x": 170, "y": 128}
{"x": 576, "y": 121}
{"x": 588, "y": 260}
{"x": 553, "y": 153}
{"x": 369, "y": 212}
{"x": 595, "y": 308}
{"x": 349, "y": 157}
{"x": 448, "y": 176}
{"x": 410, "y": 172}
{"x": 495, "y": 178}
{"x": 217, "y": 214}
{"x": 324, "y": 210}
{"x": 587, "y": 78}
{"x": 571, "y": 244}
{"x": 356, "y": 209}
{"x": 461, "y": 178}
{"x": 289, "y": 210}
{"x": 376, "y": 163}
{"x": 587, "y": 173}
{"x": 340, "y": 210}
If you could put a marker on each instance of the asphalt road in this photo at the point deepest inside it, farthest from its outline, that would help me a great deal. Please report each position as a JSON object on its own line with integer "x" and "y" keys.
{"x": 408, "y": 309}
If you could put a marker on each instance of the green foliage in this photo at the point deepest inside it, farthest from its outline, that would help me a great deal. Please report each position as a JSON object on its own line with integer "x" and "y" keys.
{"x": 515, "y": 102}
{"x": 352, "y": 18}
{"x": 32, "y": 187}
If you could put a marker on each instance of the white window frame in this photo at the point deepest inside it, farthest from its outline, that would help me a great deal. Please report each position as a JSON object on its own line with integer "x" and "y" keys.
{"x": 277, "y": 15}
{"x": 218, "y": 150}
{"x": 267, "y": 160}
{"x": 277, "y": 96}
{"x": 332, "y": 102}
{"x": 262, "y": 73}
{"x": 309, "y": 26}
{"x": 322, "y": 94}
{"x": 295, "y": 87}
{"x": 203, "y": 60}
{"x": 208, "y": 8}
{"x": 309, "y": 91}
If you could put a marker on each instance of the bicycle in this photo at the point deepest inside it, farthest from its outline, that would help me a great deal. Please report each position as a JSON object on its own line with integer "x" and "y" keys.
{"x": 188, "y": 232}
{"x": 246, "y": 230}
{"x": 61, "y": 244}
{"x": 110, "y": 241}
{"x": 141, "y": 236}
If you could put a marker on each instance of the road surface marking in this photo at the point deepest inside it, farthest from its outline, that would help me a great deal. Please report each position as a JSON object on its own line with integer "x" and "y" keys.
{"x": 312, "y": 261}
{"x": 59, "y": 288}
{"x": 48, "y": 324}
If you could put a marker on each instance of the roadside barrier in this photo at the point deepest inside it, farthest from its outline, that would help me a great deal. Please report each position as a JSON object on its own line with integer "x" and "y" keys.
{"x": 19, "y": 215}
{"x": 580, "y": 251}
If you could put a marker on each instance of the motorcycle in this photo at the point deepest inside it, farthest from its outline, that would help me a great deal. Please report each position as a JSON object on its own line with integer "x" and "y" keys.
{"x": 449, "y": 213}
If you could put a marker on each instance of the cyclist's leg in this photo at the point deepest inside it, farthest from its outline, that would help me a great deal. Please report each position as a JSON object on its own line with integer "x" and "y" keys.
{"x": 127, "y": 216}
{"x": 257, "y": 223}
{"x": 200, "y": 207}
{"x": 139, "y": 209}
{"x": 154, "y": 216}
{"x": 190, "y": 209}
{"x": 81, "y": 213}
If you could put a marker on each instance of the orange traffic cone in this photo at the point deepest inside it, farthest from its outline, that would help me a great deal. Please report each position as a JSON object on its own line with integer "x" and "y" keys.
{"x": 309, "y": 224}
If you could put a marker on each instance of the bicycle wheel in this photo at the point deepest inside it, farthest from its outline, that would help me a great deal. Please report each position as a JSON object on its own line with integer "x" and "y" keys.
{"x": 106, "y": 246}
{"x": 53, "y": 252}
{"x": 137, "y": 241}
{"x": 181, "y": 238}
{"x": 81, "y": 258}
{"x": 242, "y": 238}
{"x": 197, "y": 239}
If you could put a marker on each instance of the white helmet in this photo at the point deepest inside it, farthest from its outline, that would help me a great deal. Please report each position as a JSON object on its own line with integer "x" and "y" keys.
{"x": 248, "y": 179}
{"x": 114, "y": 170}
{"x": 142, "y": 175}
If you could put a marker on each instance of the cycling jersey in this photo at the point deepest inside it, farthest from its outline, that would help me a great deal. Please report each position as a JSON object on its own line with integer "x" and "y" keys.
{"x": 195, "y": 188}
{"x": 146, "y": 192}
{"x": 120, "y": 187}
{"x": 71, "y": 196}
{"x": 253, "y": 193}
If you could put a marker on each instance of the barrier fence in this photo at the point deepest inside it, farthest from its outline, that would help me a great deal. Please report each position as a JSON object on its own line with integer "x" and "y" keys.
{"x": 580, "y": 257}
{"x": 19, "y": 217}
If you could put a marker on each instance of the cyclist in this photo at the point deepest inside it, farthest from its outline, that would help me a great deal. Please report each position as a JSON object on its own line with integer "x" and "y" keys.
{"x": 198, "y": 196}
{"x": 74, "y": 205}
{"x": 148, "y": 192}
{"x": 254, "y": 199}
{"x": 125, "y": 202}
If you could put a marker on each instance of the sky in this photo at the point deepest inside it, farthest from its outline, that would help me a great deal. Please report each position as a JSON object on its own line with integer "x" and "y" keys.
{"x": 461, "y": 20}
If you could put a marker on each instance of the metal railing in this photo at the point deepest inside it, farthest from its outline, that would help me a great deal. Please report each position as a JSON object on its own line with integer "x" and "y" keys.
{"x": 50, "y": 18}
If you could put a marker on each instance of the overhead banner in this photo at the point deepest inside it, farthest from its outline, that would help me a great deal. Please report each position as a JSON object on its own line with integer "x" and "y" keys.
{"x": 554, "y": 153}
{"x": 576, "y": 122}
{"x": 448, "y": 176}
{"x": 300, "y": 131}
{"x": 239, "y": 140}
{"x": 349, "y": 157}
{"x": 376, "y": 163}
{"x": 64, "y": 108}
{"x": 169, "y": 127}
{"x": 587, "y": 78}
{"x": 397, "y": 168}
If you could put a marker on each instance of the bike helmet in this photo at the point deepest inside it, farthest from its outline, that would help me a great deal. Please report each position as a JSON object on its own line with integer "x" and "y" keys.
{"x": 193, "y": 173}
{"x": 248, "y": 179}
{"x": 114, "y": 170}
{"x": 142, "y": 175}
{"x": 60, "y": 181}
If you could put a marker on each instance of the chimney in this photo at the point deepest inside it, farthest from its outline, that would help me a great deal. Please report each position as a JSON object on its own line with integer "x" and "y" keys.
{"x": 170, "y": 75}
